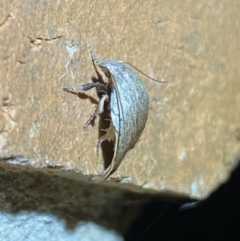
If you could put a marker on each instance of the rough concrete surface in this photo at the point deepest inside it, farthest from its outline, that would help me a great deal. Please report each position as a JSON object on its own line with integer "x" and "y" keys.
{"x": 191, "y": 139}
{"x": 40, "y": 206}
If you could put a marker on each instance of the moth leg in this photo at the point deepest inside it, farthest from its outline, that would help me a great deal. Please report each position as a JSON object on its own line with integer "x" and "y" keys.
{"x": 101, "y": 88}
{"x": 109, "y": 136}
{"x": 99, "y": 109}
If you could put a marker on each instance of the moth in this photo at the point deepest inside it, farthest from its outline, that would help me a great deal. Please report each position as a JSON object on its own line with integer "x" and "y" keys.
{"x": 128, "y": 103}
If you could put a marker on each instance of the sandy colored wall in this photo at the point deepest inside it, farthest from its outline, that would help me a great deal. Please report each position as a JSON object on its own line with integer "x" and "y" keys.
{"x": 191, "y": 139}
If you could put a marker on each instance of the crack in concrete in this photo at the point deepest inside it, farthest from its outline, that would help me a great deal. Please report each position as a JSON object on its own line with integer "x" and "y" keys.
{"x": 38, "y": 41}
{"x": 5, "y": 20}
{"x": 161, "y": 21}
{"x": 20, "y": 61}
{"x": 194, "y": 17}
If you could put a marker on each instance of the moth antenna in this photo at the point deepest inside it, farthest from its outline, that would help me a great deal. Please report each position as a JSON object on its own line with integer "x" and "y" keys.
{"x": 144, "y": 73}
{"x": 93, "y": 56}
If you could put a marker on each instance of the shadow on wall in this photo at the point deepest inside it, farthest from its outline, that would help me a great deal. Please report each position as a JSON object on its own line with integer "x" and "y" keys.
{"x": 104, "y": 118}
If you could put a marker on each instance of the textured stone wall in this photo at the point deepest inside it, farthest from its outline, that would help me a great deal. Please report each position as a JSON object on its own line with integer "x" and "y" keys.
{"x": 191, "y": 139}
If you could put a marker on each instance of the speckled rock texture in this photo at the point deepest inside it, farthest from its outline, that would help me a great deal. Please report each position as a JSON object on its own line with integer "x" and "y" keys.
{"x": 192, "y": 136}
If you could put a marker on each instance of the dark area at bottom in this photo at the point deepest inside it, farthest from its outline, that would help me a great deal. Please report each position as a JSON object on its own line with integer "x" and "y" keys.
{"x": 134, "y": 215}
{"x": 213, "y": 219}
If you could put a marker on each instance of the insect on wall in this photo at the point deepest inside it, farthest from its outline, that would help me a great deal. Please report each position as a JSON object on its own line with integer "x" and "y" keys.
{"x": 123, "y": 107}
